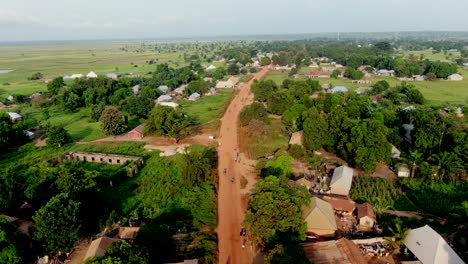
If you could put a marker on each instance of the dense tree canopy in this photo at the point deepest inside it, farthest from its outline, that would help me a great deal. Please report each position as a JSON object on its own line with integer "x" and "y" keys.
{"x": 58, "y": 136}
{"x": 112, "y": 121}
{"x": 164, "y": 120}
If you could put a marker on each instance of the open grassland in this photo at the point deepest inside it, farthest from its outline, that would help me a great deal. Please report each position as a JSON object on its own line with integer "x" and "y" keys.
{"x": 436, "y": 92}
{"x": 267, "y": 144}
{"x": 428, "y": 54}
{"x": 68, "y": 59}
{"x": 208, "y": 108}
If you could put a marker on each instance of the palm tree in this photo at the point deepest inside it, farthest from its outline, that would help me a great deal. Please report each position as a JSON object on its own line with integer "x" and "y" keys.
{"x": 447, "y": 165}
{"x": 398, "y": 239}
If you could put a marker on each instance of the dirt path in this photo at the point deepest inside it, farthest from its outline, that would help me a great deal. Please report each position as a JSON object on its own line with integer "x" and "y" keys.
{"x": 230, "y": 211}
{"x": 405, "y": 213}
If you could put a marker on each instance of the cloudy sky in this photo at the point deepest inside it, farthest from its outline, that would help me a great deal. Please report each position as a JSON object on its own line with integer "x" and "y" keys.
{"x": 117, "y": 19}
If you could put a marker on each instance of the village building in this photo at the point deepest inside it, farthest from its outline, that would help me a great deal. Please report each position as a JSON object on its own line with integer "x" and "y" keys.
{"x": 14, "y": 116}
{"x": 342, "y": 206}
{"x": 363, "y": 67}
{"x": 341, "y": 180}
{"x": 91, "y": 74}
{"x": 362, "y": 90}
{"x": 384, "y": 72}
{"x": 98, "y": 247}
{"x": 10, "y": 98}
{"x": 459, "y": 112}
{"x": 419, "y": 77}
{"x": 137, "y": 132}
{"x": 77, "y": 75}
{"x": 164, "y": 98}
{"x": 296, "y": 138}
{"x": 403, "y": 170}
{"x": 361, "y": 81}
{"x": 195, "y": 96}
{"x": 321, "y": 59}
{"x": 328, "y": 69}
{"x": 208, "y": 79}
{"x": 211, "y": 67}
{"x": 320, "y": 218}
{"x": 337, "y": 89}
{"x": 430, "y": 247}
{"x": 102, "y": 157}
{"x": 317, "y": 74}
{"x": 455, "y": 77}
{"x": 211, "y": 91}
{"x": 326, "y": 86}
{"x": 230, "y": 83}
{"x": 168, "y": 104}
{"x": 163, "y": 88}
{"x": 395, "y": 153}
{"x": 366, "y": 217}
{"x": 339, "y": 66}
{"x": 112, "y": 76}
{"x": 341, "y": 251}
{"x": 136, "y": 90}
{"x": 128, "y": 233}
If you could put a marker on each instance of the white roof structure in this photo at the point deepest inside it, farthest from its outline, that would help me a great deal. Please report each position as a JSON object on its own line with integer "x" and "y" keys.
{"x": 430, "y": 248}
{"x": 211, "y": 67}
{"x": 194, "y": 96}
{"x": 163, "y": 88}
{"x": 136, "y": 89}
{"x": 66, "y": 77}
{"x": 395, "y": 153}
{"x": 111, "y": 75}
{"x": 411, "y": 107}
{"x": 76, "y": 75}
{"x": 164, "y": 98}
{"x": 91, "y": 74}
{"x": 10, "y": 98}
{"x": 455, "y": 76}
{"x": 341, "y": 180}
{"x": 170, "y": 104}
{"x": 14, "y": 116}
{"x": 340, "y": 89}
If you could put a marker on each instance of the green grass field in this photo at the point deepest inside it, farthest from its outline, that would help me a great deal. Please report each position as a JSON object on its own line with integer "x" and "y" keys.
{"x": 207, "y": 108}
{"x": 436, "y": 92}
{"x": 427, "y": 54}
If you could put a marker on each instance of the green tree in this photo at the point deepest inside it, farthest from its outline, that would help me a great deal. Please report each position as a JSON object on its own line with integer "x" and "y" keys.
{"x": 353, "y": 74}
{"x": 54, "y": 86}
{"x": 233, "y": 69}
{"x": 8, "y": 131}
{"x": 197, "y": 166}
{"x": 164, "y": 120}
{"x": 96, "y": 111}
{"x": 137, "y": 106}
{"x": 265, "y": 61}
{"x": 275, "y": 209}
{"x": 279, "y": 102}
{"x": 315, "y": 129}
{"x": 286, "y": 253}
{"x": 398, "y": 239}
{"x": 197, "y": 86}
{"x": 74, "y": 180}
{"x": 336, "y": 73}
{"x": 58, "y": 136}
{"x": 58, "y": 224}
{"x": 112, "y": 122}
{"x": 263, "y": 89}
{"x": 36, "y": 76}
{"x": 431, "y": 76}
{"x": 415, "y": 96}
{"x": 254, "y": 111}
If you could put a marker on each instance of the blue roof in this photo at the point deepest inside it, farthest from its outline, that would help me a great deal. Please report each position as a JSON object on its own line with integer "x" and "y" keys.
{"x": 339, "y": 89}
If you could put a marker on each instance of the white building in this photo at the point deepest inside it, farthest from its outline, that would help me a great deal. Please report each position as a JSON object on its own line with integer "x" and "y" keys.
{"x": 194, "y": 97}
{"x": 455, "y": 77}
{"x": 76, "y": 75}
{"x": 343, "y": 89}
{"x": 14, "y": 116}
{"x": 211, "y": 67}
{"x": 430, "y": 247}
{"x": 91, "y": 74}
{"x": 112, "y": 75}
{"x": 163, "y": 88}
{"x": 164, "y": 98}
{"x": 341, "y": 180}
{"x": 170, "y": 104}
{"x": 230, "y": 83}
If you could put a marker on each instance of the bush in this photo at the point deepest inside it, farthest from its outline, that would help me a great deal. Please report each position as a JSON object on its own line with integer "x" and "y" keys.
{"x": 296, "y": 151}
{"x": 254, "y": 111}
{"x": 36, "y": 76}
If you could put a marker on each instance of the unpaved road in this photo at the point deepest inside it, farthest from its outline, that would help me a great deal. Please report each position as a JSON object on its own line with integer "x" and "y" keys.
{"x": 230, "y": 211}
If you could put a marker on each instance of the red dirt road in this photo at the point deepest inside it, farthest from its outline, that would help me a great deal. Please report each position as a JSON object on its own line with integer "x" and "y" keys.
{"x": 230, "y": 212}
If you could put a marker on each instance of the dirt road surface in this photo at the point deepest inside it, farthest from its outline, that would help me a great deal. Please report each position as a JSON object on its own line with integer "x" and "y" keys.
{"x": 230, "y": 211}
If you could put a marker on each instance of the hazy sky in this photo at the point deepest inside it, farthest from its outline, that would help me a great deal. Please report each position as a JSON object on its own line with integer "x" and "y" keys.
{"x": 103, "y": 19}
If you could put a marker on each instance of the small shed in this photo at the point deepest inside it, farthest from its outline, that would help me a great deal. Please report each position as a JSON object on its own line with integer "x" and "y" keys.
{"x": 112, "y": 75}
{"x": 137, "y": 132}
{"x": 403, "y": 170}
{"x": 163, "y": 88}
{"x": 296, "y": 138}
{"x": 91, "y": 74}
{"x": 169, "y": 104}
{"x": 194, "y": 97}
{"x": 14, "y": 116}
{"x": 128, "y": 233}
{"x": 98, "y": 247}
{"x": 211, "y": 67}
{"x": 76, "y": 75}
{"x": 455, "y": 77}
{"x": 395, "y": 153}
{"x": 366, "y": 216}
{"x": 341, "y": 180}
{"x": 164, "y": 98}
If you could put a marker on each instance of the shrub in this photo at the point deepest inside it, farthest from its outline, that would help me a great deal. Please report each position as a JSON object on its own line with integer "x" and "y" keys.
{"x": 296, "y": 151}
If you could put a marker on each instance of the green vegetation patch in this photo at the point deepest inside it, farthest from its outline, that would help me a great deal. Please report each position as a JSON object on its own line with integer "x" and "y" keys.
{"x": 207, "y": 108}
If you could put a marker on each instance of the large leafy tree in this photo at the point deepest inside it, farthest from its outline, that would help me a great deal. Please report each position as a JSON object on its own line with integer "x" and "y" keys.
{"x": 263, "y": 89}
{"x": 164, "y": 120}
{"x": 58, "y": 224}
{"x": 58, "y": 136}
{"x": 54, "y": 86}
{"x": 197, "y": 166}
{"x": 8, "y": 131}
{"x": 197, "y": 86}
{"x": 137, "y": 106}
{"x": 275, "y": 210}
{"x": 280, "y": 101}
{"x": 255, "y": 111}
{"x": 74, "y": 180}
{"x": 315, "y": 130}
{"x": 112, "y": 122}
